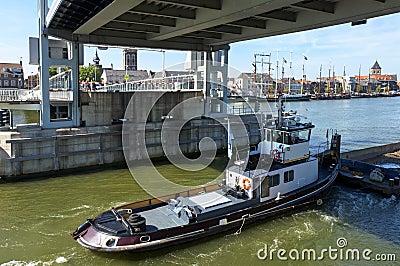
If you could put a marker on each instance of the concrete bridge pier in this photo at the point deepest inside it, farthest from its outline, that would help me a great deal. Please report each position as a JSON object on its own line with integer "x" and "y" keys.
{"x": 215, "y": 79}
{"x": 52, "y": 53}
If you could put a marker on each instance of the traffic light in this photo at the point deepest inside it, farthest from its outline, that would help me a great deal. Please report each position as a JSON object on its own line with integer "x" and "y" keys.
{"x": 4, "y": 118}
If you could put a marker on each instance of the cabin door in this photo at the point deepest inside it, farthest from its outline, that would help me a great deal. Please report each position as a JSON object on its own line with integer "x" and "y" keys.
{"x": 265, "y": 187}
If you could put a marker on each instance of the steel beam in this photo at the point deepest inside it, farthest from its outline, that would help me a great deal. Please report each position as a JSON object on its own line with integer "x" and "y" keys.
{"x": 115, "y": 9}
{"x": 279, "y": 15}
{"x": 164, "y": 10}
{"x": 131, "y": 27}
{"x": 209, "y": 4}
{"x": 147, "y": 20}
{"x": 321, "y": 6}
{"x": 250, "y": 23}
{"x": 231, "y": 11}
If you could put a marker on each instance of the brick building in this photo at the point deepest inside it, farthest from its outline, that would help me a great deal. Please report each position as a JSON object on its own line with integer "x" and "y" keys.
{"x": 11, "y": 75}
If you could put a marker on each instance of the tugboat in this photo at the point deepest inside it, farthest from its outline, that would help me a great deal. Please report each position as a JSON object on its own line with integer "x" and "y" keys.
{"x": 287, "y": 177}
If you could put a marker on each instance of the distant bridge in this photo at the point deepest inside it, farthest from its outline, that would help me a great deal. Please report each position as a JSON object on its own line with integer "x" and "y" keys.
{"x": 61, "y": 92}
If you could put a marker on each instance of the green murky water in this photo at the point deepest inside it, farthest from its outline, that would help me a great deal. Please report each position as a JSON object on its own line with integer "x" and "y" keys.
{"x": 37, "y": 216}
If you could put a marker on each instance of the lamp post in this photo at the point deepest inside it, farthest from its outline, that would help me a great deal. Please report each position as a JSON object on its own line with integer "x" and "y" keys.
{"x": 96, "y": 61}
{"x": 31, "y": 81}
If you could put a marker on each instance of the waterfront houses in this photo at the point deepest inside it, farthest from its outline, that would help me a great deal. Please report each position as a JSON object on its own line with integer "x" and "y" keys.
{"x": 11, "y": 75}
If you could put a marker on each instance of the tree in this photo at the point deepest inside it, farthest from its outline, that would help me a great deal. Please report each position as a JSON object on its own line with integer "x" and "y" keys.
{"x": 328, "y": 89}
{"x": 87, "y": 73}
{"x": 358, "y": 88}
{"x": 378, "y": 89}
{"x": 286, "y": 89}
{"x": 52, "y": 71}
{"x": 340, "y": 90}
{"x": 387, "y": 88}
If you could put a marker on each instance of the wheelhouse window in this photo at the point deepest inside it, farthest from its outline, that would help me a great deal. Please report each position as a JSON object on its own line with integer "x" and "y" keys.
{"x": 273, "y": 180}
{"x": 288, "y": 176}
{"x": 299, "y": 136}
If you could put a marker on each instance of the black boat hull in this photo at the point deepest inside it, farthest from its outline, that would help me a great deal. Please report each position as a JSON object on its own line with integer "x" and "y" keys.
{"x": 93, "y": 239}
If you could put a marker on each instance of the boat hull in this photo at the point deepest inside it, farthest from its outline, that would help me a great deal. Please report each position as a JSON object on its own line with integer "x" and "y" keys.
{"x": 348, "y": 176}
{"x": 96, "y": 240}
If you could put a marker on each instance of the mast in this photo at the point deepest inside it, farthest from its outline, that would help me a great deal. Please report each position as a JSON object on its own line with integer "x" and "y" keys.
{"x": 320, "y": 78}
{"x": 334, "y": 79}
{"x": 303, "y": 75}
{"x": 269, "y": 72}
{"x": 281, "y": 109}
{"x": 359, "y": 76}
{"x": 255, "y": 70}
{"x": 290, "y": 69}
{"x": 329, "y": 78}
{"x": 276, "y": 78}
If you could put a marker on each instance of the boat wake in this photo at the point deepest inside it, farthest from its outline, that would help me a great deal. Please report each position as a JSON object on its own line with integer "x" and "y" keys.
{"x": 368, "y": 211}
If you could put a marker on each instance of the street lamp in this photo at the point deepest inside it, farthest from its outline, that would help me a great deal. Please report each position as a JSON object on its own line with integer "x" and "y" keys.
{"x": 31, "y": 81}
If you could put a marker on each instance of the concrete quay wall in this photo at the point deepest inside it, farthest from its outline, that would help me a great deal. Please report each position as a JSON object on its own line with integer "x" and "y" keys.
{"x": 372, "y": 152}
{"x": 35, "y": 151}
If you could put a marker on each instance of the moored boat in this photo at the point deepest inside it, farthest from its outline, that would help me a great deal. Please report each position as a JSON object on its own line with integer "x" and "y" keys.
{"x": 370, "y": 177}
{"x": 280, "y": 176}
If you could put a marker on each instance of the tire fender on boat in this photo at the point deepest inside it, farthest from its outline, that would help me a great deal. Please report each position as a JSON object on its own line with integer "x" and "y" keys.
{"x": 145, "y": 238}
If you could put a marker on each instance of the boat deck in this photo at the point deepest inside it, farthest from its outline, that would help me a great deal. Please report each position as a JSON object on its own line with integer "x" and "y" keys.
{"x": 215, "y": 202}
{"x": 162, "y": 218}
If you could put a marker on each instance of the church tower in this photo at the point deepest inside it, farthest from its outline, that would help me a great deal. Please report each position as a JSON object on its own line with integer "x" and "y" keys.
{"x": 130, "y": 59}
{"x": 376, "y": 69}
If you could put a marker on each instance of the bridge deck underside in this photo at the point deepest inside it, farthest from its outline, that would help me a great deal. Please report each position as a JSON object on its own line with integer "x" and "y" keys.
{"x": 200, "y": 24}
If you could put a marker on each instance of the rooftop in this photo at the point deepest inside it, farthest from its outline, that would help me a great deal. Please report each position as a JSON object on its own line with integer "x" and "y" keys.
{"x": 7, "y": 68}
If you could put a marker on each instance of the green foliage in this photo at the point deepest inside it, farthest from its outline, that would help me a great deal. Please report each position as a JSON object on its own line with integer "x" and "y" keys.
{"x": 378, "y": 88}
{"x": 89, "y": 73}
{"x": 340, "y": 89}
{"x": 286, "y": 89}
{"x": 328, "y": 90}
{"x": 358, "y": 88}
{"x": 54, "y": 70}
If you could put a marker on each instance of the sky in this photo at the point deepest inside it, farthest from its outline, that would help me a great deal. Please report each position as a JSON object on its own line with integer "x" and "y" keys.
{"x": 333, "y": 47}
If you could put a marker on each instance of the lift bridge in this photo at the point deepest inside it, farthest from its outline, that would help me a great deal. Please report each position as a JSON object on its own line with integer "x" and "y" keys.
{"x": 205, "y": 26}
{"x": 60, "y": 90}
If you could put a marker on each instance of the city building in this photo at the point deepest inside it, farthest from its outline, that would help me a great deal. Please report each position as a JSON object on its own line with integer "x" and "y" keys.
{"x": 32, "y": 81}
{"x": 11, "y": 75}
{"x": 118, "y": 75}
{"x": 129, "y": 73}
{"x": 375, "y": 81}
{"x": 130, "y": 59}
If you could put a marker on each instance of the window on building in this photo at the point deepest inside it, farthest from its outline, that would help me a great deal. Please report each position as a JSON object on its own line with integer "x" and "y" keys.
{"x": 133, "y": 60}
{"x": 273, "y": 180}
{"x": 6, "y": 84}
{"x": 6, "y": 75}
{"x": 13, "y": 83}
{"x": 1, "y": 83}
{"x": 288, "y": 176}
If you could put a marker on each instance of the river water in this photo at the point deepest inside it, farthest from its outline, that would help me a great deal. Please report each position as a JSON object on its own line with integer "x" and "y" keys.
{"x": 37, "y": 215}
